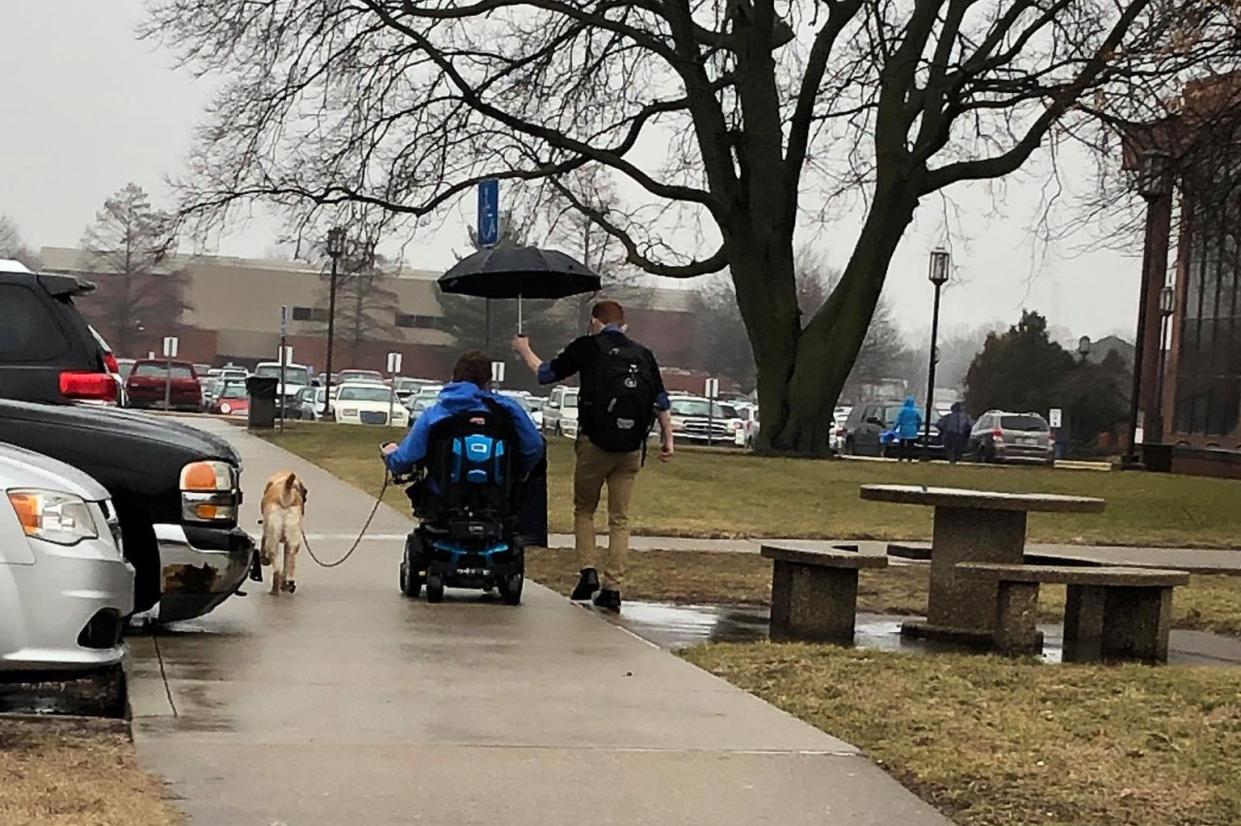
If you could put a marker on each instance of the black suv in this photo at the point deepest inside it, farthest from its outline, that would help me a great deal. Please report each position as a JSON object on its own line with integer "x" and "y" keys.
{"x": 176, "y": 488}
{"x": 48, "y": 353}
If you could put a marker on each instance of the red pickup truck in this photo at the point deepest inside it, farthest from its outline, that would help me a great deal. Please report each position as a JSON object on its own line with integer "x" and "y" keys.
{"x": 148, "y": 384}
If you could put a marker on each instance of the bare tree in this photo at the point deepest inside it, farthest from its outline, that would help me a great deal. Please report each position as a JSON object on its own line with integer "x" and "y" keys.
{"x": 126, "y": 252}
{"x": 408, "y": 104}
{"x": 12, "y": 246}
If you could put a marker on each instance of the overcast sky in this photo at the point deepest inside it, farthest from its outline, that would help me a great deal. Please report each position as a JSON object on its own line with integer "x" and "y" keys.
{"x": 88, "y": 108}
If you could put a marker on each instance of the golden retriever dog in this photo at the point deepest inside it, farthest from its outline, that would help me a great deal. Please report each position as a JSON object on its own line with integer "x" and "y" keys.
{"x": 284, "y": 505}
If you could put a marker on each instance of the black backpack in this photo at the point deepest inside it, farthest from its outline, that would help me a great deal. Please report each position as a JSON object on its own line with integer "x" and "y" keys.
{"x": 622, "y": 404}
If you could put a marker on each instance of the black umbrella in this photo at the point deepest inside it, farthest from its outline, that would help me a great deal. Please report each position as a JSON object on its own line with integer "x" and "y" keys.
{"x": 519, "y": 272}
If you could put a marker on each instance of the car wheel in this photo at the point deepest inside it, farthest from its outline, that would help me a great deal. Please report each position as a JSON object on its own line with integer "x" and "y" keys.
{"x": 559, "y": 432}
{"x": 435, "y": 588}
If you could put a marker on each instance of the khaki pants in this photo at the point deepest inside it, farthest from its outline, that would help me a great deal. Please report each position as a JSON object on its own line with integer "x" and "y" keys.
{"x": 596, "y": 466}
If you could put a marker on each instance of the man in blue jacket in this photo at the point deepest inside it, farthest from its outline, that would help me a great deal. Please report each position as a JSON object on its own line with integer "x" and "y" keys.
{"x": 466, "y": 393}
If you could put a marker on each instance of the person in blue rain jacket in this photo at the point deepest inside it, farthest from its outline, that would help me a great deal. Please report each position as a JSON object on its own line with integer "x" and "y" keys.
{"x": 907, "y": 425}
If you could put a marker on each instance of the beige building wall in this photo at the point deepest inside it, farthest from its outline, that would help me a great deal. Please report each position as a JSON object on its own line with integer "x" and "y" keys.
{"x": 241, "y": 298}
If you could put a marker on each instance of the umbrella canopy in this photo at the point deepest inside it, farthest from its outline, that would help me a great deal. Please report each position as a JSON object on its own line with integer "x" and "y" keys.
{"x": 519, "y": 272}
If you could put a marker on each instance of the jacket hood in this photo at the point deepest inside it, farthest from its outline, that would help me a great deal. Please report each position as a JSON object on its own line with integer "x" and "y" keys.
{"x": 459, "y": 396}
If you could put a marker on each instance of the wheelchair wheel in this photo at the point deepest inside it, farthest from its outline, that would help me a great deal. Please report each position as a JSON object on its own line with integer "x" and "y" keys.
{"x": 435, "y": 588}
{"x": 510, "y": 588}
{"x": 411, "y": 581}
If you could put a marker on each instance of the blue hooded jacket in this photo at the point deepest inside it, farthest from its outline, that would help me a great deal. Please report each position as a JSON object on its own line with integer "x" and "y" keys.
{"x": 461, "y": 397}
{"x": 909, "y": 421}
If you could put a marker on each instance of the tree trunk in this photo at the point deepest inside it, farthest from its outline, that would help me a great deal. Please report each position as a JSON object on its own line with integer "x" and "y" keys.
{"x": 800, "y": 375}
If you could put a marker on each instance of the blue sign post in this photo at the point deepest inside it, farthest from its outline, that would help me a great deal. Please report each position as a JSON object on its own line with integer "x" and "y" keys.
{"x": 489, "y": 212}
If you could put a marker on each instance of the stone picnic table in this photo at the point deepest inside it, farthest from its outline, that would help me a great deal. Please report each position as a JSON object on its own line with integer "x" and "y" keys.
{"x": 971, "y": 526}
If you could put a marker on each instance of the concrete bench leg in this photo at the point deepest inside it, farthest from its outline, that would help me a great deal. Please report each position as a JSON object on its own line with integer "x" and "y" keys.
{"x": 1083, "y": 623}
{"x": 1016, "y": 629}
{"x": 813, "y": 603}
{"x": 1136, "y": 622}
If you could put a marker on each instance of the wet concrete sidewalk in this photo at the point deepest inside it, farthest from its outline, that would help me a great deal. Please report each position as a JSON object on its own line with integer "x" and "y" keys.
{"x": 350, "y": 704}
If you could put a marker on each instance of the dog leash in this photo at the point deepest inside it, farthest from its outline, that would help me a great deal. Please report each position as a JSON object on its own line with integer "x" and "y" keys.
{"x": 378, "y": 501}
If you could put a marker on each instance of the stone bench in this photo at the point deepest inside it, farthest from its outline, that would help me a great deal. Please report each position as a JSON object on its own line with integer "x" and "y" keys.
{"x": 814, "y": 592}
{"x": 1111, "y": 613}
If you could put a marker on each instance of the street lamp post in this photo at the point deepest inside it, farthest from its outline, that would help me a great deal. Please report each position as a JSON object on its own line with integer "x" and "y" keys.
{"x": 1154, "y": 185}
{"x": 335, "y": 249}
{"x": 1167, "y": 306}
{"x": 1083, "y": 348}
{"x": 938, "y": 275}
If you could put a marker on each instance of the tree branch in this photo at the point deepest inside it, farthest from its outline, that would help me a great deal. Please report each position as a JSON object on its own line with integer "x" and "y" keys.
{"x": 1011, "y": 160}
{"x": 633, "y": 255}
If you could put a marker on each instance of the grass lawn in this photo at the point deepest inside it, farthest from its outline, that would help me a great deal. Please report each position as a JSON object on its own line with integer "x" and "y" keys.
{"x": 76, "y": 773}
{"x": 704, "y": 493}
{"x": 1209, "y": 603}
{"x": 994, "y": 742}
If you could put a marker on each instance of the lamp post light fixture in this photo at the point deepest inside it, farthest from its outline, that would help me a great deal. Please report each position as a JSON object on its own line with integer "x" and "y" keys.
{"x": 335, "y": 249}
{"x": 1083, "y": 347}
{"x": 937, "y": 273}
{"x": 1154, "y": 174}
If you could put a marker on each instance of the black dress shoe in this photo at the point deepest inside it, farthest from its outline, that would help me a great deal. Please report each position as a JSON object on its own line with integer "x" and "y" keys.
{"x": 608, "y": 600}
{"x": 586, "y": 586}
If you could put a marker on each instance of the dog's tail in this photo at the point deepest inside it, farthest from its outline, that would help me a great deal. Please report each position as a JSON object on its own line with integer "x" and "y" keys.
{"x": 286, "y": 493}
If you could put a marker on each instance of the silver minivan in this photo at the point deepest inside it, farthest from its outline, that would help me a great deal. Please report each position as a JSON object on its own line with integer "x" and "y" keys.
{"x": 65, "y": 588}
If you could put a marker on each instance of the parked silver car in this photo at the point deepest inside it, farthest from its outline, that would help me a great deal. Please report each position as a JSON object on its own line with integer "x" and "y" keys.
{"x": 1000, "y": 436}
{"x": 65, "y": 589}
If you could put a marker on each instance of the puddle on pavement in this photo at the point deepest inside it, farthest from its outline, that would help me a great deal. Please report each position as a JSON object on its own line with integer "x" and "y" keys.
{"x": 675, "y": 627}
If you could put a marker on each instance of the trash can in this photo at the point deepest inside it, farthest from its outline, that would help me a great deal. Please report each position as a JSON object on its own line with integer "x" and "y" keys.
{"x": 532, "y": 523}
{"x": 262, "y": 390}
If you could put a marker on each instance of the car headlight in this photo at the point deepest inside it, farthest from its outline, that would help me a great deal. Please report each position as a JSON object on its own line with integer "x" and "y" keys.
{"x": 53, "y": 516}
{"x": 209, "y": 492}
{"x": 348, "y": 411}
{"x": 226, "y": 408}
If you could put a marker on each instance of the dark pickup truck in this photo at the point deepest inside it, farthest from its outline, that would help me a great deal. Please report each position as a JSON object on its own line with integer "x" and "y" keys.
{"x": 176, "y": 488}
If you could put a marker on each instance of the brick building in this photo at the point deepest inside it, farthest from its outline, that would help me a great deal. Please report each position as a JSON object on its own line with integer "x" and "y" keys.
{"x": 234, "y": 316}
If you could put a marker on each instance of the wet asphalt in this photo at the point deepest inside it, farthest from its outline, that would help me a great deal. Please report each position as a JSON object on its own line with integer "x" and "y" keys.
{"x": 348, "y": 703}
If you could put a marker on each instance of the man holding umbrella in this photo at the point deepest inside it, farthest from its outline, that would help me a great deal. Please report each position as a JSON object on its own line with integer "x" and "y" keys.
{"x": 622, "y": 393}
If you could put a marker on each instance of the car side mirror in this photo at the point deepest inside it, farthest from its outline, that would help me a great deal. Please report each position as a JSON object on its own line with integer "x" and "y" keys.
{"x": 874, "y": 421}
{"x": 554, "y": 405}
